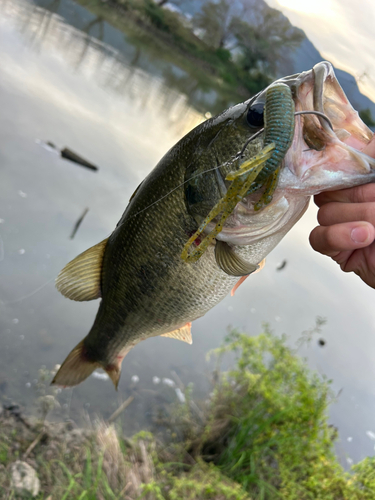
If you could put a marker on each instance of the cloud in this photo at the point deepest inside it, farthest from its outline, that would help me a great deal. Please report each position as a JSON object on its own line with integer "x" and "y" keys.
{"x": 341, "y": 30}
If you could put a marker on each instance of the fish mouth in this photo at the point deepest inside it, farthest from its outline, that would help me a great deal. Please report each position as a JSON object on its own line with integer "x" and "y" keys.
{"x": 320, "y": 151}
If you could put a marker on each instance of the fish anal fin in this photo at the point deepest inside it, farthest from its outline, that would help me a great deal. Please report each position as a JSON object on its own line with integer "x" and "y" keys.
{"x": 183, "y": 333}
{"x": 242, "y": 279}
{"x": 230, "y": 262}
{"x": 81, "y": 278}
{"x": 76, "y": 368}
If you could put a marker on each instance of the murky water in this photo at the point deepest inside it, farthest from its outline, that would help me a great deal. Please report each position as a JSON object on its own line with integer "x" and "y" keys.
{"x": 70, "y": 78}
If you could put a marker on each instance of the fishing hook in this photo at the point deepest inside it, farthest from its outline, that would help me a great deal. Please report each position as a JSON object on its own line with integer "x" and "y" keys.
{"x": 322, "y": 115}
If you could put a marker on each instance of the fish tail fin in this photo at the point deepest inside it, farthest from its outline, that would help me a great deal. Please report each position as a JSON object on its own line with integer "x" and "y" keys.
{"x": 114, "y": 369}
{"x": 114, "y": 372}
{"x": 76, "y": 367}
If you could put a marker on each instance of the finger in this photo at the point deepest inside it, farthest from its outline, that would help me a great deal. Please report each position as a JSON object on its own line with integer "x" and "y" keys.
{"x": 331, "y": 240}
{"x": 336, "y": 213}
{"x": 370, "y": 148}
{"x": 358, "y": 194}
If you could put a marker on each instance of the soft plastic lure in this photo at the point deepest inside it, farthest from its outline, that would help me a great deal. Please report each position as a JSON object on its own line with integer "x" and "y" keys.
{"x": 260, "y": 171}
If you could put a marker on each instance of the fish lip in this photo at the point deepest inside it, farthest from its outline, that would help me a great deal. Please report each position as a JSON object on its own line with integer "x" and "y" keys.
{"x": 322, "y": 72}
{"x": 318, "y": 78}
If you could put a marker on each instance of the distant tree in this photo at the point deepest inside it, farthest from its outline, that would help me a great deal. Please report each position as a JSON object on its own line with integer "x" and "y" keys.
{"x": 366, "y": 117}
{"x": 264, "y": 44}
{"x": 261, "y": 36}
{"x": 215, "y": 20}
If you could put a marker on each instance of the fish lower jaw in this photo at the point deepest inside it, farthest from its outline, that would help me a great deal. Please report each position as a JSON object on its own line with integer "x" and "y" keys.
{"x": 336, "y": 167}
{"x": 272, "y": 219}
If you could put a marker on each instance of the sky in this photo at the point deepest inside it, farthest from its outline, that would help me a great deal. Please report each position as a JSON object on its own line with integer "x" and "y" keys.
{"x": 341, "y": 30}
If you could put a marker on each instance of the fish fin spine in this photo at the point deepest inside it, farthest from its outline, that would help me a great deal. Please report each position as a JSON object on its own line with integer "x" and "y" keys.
{"x": 183, "y": 333}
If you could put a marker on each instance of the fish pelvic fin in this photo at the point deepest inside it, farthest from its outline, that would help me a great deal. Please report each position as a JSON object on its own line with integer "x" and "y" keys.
{"x": 183, "y": 333}
{"x": 81, "y": 278}
{"x": 239, "y": 282}
{"x": 76, "y": 368}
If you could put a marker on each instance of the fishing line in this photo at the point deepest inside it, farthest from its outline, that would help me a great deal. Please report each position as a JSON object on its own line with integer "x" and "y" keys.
{"x": 174, "y": 189}
{"x": 20, "y": 299}
{"x": 238, "y": 155}
{"x": 322, "y": 115}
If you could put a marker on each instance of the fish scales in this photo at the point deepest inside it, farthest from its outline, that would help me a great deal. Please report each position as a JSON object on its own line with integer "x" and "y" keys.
{"x": 168, "y": 291}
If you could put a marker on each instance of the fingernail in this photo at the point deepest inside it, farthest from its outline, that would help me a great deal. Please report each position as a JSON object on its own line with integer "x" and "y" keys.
{"x": 360, "y": 234}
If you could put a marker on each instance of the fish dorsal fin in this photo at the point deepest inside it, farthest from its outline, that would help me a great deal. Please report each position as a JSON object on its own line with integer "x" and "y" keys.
{"x": 183, "y": 334}
{"x": 242, "y": 279}
{"x": 230, "y": 262}
{"x": 81, "y": 278}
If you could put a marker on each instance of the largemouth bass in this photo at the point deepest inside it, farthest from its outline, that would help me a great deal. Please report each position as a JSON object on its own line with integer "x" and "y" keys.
{"x": 147, "y": 288}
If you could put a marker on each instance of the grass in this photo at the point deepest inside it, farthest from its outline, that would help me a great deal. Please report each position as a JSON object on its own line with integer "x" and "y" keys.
{"x": 262, "y": 435}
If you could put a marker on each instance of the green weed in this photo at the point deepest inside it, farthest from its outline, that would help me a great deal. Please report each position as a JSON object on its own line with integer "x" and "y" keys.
{"x": 263, "y": 435}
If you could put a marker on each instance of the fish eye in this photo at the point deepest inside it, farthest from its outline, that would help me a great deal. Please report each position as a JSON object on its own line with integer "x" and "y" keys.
{"x": 254, "y": 115}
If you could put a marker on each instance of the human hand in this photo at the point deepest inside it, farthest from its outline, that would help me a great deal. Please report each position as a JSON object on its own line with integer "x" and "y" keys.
{"x": 347, "y": 229}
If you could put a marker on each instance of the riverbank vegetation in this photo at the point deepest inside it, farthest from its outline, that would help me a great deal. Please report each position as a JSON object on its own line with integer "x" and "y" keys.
{"x": 237, "y": 48}
{"x": 262, "y": 434}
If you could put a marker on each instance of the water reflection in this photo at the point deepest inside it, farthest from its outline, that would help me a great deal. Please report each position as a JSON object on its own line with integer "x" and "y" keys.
{"x": 45, "y": 30}
{"x": 84, "y": 42}
{"x": 122, "y": 108}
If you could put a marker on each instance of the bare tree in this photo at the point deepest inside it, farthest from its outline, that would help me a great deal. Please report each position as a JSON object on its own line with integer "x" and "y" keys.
{"x": 264, "y": 44}
{"x": 215, "y": 20}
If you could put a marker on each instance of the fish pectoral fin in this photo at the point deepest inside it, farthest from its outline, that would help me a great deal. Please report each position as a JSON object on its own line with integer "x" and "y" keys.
{"x": 183, "y": 334}
{"x": 242, "y": 279}
{"x": 81, "y": 278}
{"x": 76, "y": 368}
{"x": 231, "y": 263}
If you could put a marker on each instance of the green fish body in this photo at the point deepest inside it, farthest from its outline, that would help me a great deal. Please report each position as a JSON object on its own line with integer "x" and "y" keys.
{"x": 146, "y": 288}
